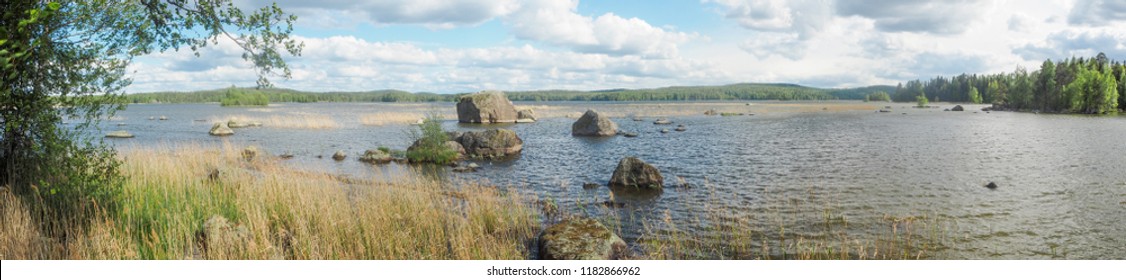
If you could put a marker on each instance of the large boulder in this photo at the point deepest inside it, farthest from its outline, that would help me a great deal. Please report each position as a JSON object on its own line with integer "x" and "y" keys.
{"x": 633, "y": 172}
{"x": 220, "y": 129}
{"x": 485, "y": 107}
{"x": 594, "y": 124}
{"x": 581, "y": 239}
{"x": 491, "y": 143}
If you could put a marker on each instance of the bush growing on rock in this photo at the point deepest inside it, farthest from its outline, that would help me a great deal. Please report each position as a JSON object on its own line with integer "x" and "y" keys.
{"x": 430, "y": 142}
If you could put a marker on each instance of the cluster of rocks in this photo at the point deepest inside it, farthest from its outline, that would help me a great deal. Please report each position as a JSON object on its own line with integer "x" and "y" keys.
{"x": 225, "y": 128}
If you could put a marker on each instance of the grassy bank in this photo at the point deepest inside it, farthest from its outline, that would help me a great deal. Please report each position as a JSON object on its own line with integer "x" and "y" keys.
{"x": 196, "y": 203}
{"x": 211, "y": 203}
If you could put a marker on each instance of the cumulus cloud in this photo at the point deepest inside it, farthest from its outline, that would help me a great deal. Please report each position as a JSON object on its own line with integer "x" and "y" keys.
{"x": 1066, "y": 44}
{"x": 346, "y": 63}
{"x": 802, "y": 17}
{"x": 765, "y": 45}
{"x": 1020, "y": 23}
{"x": 557, "y": 22}
{"x": 1097, "y": 12}
{"x": 933, "y": 16}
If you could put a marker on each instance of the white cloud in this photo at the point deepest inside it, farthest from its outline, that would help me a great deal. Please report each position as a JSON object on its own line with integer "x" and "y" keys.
{"x": 1097, "y": 12}
{"x": 1066, "y": 44}
{"x": 557, "y": 22}
{"x": 346, "y": 63}
{"x": 944, "y": 17}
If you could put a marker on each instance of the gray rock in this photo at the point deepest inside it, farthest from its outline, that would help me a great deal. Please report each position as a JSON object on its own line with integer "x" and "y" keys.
{"x": 991, "y": 185}
{"x": 163, "y": 118}
{"x": 491, "y": 143}
{"x": 957, "y": 108}
{"x": 525, "y": 116}
{"x": 681, "y": 128}
{"x": 633, "y": 172}
{"x": 119, "y": 134}
{"x": 220, "y": 129}
{"x": 339, "y": 155}
{"x": 376, "y": 157}
{"x": 664, "y": 130}
{"x": 593, "y": 124}
{"x": 485, "y": 107}
{"x": 581, "y": 239}
{"x": 662, "y": 121}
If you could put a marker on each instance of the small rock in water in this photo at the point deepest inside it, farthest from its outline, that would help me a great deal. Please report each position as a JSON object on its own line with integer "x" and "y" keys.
{"x": 991, "y": 186}
{"x": 664, "y": 130}
{"x": 119, "y": 134}
{"x": 339, "y": 155}
{"x": 152, "y": 118}
{"x": 588, "y": 186}
{"x": 163, "y": 118}
{"x": 286, "y": 155}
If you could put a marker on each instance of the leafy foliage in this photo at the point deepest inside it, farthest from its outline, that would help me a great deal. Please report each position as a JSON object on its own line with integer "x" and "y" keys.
{"x": 240, "y": 97}
{"x": 1075, "y": 85}
{"x": 922, "y": 100}
{"x": 66, "y": 61}
{"x": 430, "y": 142}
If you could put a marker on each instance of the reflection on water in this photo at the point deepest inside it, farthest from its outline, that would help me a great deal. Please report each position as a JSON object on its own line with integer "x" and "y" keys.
{"x": 1062, "y": 189}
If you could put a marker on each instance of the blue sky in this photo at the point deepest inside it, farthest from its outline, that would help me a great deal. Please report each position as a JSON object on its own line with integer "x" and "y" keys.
{"x": 449, "y": 46}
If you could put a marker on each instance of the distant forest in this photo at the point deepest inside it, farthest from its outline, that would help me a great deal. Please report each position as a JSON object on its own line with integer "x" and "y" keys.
{"x": 1077, "y": 85}
{"x": 725, "y": 92}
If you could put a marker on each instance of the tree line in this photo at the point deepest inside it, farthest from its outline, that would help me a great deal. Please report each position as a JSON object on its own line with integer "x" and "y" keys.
{"x": 1076, "y": 85}
{"x": 747, "y": 91}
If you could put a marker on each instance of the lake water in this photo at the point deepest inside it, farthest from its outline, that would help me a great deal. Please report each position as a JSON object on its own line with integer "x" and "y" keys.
{"x": 1062, "y": 178}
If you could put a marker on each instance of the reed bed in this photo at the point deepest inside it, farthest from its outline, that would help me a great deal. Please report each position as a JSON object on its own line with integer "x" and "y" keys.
{"x": 388, "y": 118}
{"x": 200, "y": 203}
{"x": 301, "y": 121}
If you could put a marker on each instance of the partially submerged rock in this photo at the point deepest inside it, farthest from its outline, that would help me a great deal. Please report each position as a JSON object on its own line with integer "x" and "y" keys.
{"x": 339, "y": 155}
{"x": 957, "y": 108}
{"x": 711, "y": 112}
{"x": 119, "y": 134}
{"x": 486, "y": 107}
{"x": 220, "y": 129}
{"x": 581, "y": 239}
{"x": 633, "y": 172}
{"x": 681, "y": 128}
{"x": 376, "y": 157}
{"x": 593, "y": 124}
{"x": 991, "y": 185}
{"x": 525, "y": 116}
{"x": 491, "y": 143}
{"x": 662, "y": 121}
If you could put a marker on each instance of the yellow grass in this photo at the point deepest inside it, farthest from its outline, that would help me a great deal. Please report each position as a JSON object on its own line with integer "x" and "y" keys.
{"x": 386, "y": 118}
{"x": 301, "y": 121}
{"x": 297, "y": 120}
{"x": 276, "y": 212}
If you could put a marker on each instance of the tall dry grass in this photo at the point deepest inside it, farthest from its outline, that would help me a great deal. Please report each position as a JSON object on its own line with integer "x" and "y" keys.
{"x": 199, "y": 203}
{"x": 388, "y": 118}
{"x": 297, "y": 120}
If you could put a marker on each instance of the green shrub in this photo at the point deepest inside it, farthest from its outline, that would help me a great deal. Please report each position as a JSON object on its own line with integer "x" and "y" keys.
{"x": 430, "y": 142}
